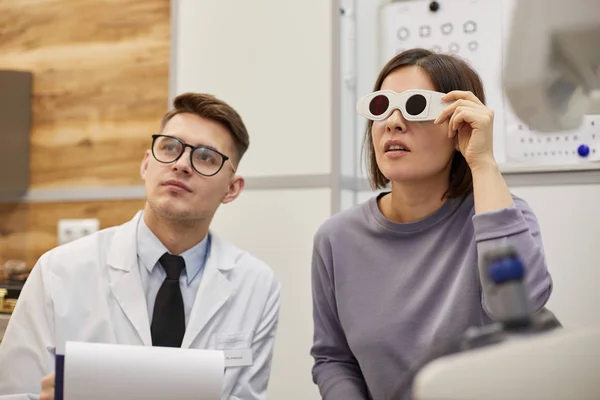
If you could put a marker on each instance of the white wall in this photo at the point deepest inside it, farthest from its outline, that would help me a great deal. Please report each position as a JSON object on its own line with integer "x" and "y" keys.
{"x": 569, "y": 219}
{"x": 273, "y": 61}
{"x": 277, "y": 226}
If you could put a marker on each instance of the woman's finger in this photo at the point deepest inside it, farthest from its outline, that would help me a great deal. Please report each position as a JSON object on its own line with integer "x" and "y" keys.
{"x": 464, "y": 116}
{"x": 448, "y": 111}
{"x": 461, "y": 94}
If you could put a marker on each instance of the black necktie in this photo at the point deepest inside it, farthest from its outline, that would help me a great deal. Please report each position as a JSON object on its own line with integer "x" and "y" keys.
{"x": 168, "y": 318}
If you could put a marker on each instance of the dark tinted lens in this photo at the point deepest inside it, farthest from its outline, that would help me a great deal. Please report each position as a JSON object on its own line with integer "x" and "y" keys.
{"x": 416, "y": 104}
{"x": 379, "y": 104}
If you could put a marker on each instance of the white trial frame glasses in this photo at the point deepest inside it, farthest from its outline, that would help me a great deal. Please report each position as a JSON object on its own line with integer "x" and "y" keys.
{"x": 414, "y": 104}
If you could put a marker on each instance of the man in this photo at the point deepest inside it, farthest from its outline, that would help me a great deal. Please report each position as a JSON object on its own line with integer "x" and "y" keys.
{"x": 161, "y": 279}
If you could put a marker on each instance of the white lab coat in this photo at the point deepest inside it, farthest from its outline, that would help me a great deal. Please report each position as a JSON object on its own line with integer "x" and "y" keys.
{"x": 90, "y": 290}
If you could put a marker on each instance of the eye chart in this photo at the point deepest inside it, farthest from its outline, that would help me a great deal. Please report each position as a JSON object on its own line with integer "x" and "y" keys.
{"x": 476, "y": 30}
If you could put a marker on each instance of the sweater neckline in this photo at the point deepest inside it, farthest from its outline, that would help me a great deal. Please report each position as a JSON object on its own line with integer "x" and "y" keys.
{"x": 449, "y": 206}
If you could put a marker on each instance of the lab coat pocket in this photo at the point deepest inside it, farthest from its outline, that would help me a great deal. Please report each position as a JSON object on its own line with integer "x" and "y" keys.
{"x": 237, "y": 348}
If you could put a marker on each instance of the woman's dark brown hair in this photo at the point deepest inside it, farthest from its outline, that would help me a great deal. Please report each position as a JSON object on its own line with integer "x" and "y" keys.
{"x": 447, "y": 73}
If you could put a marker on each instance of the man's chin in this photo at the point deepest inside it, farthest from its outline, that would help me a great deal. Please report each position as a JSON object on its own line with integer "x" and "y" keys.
{"x": 170, "y": 209}
{"x": 177, "y": 212}
{"x": 176, "y": 215}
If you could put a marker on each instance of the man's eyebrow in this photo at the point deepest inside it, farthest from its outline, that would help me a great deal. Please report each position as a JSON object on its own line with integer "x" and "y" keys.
{"x": 207, "y": 146}
{"x": 197, "y": 144}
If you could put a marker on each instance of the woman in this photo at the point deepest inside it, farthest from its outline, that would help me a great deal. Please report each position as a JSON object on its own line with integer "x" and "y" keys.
{"x": 399, "y": 273}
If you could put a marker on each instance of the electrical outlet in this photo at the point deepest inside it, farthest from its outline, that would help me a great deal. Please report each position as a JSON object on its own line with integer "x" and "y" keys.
{"x": 71, "y": 229}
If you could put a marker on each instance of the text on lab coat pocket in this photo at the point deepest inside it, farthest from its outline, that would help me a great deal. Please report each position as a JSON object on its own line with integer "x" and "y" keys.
{"x": 237, "y": 348}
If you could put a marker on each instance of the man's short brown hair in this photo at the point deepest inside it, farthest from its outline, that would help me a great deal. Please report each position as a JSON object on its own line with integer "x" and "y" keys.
{"x": 447, "y": 73}
{"x": 209, "y": 107}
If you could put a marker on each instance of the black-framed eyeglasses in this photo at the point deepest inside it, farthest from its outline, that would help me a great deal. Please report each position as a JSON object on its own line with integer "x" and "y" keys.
{"x": 205, "y": 160}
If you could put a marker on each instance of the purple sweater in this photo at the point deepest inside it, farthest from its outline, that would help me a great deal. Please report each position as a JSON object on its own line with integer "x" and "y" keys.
{"x": 384, "y": 292}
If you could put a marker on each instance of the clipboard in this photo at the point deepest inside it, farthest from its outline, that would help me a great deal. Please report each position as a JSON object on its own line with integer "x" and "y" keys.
{"x": 59, "y": 377}
{"x": 204, "y": 372}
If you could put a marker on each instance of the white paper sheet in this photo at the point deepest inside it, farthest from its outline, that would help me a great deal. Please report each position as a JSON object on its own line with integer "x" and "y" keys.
{"x": 106, "y": 371}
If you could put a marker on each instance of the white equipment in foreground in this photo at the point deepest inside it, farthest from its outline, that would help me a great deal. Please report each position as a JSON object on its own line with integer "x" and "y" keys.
{"x": 556, "y": 365}
{"x": 524, "y": 356}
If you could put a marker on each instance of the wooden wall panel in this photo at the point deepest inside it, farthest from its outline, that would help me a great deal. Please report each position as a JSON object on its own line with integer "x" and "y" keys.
{"x": 27, "y": 230}
{"x": 100, "y": 84}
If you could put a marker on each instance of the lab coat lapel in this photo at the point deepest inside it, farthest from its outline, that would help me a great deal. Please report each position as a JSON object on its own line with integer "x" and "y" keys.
{"x": 213, "y": 292}
{"x": 124, "y": 278}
